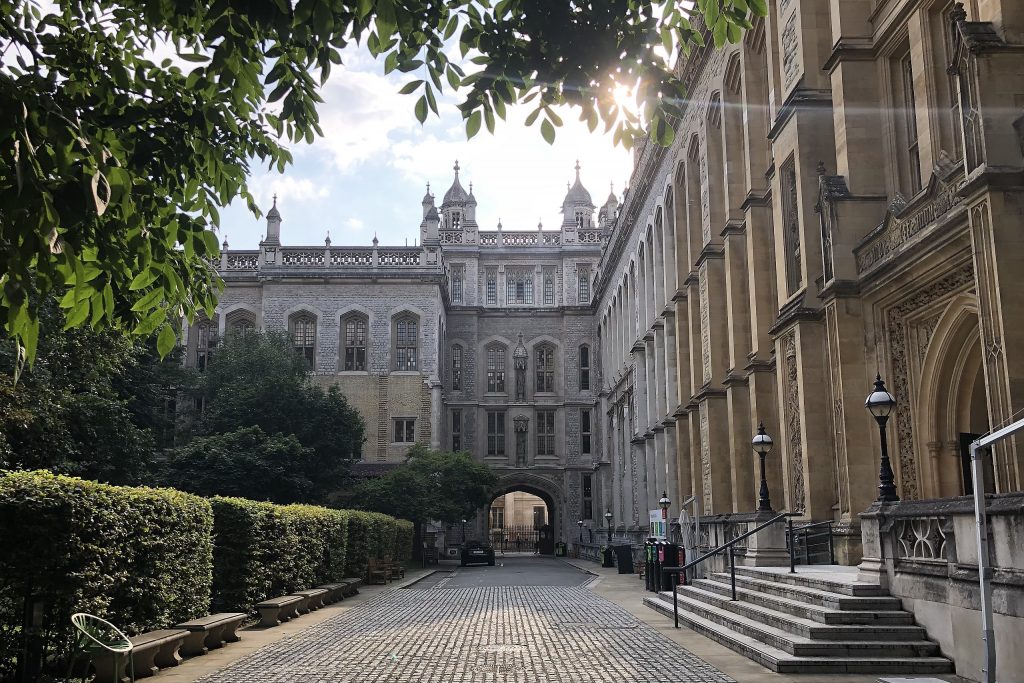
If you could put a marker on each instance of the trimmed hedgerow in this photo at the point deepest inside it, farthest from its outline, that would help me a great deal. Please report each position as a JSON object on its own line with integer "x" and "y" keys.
{"x": 404, "y": 531}
{"x": 140, "y": 557}
{"x": 262, "y": 550}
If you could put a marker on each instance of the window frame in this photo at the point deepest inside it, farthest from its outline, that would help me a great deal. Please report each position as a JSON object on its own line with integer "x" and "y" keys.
{"x": 491, "y": 285}
{"x": 458, "y": 286}
{"x": 456, "y": 429}
{"x": 549, "y": 289}
{"x": 407, "y": 425}
{"x": 586, "y": 431}
{"x": 346, "y": 346}
{"x": 583, "y": 284}
{"x": 519, "y": 286}
{"x": 544, "y": 374}
{"x": 544, "y": 433}
{"x": 456, "y": 367}
{"x": 308, "y": 352}
{"x": 584, "y": 367}
{"x": 497, "y": 374}
{"x": 204, "y": 336}
{"x": 497, "y": 431}
{"x": 405, "y": 355}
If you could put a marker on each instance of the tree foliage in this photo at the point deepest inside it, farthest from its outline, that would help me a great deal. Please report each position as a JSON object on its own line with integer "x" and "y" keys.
{"x": 116, "y": 161}
{"x": 430, "y": 485}
{"x": 267, "y": 431}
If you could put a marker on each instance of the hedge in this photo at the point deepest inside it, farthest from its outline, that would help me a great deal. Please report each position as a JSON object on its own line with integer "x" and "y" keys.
{"x": 403, "y": 541}
{"x": 262, "y": 550}
{"x": 140, "y": 557}
{"x": 371, "y": 535}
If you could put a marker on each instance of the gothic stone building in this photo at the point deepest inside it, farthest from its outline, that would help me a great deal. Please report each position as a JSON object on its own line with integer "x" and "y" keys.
{"x": 474, "y": 340}
{"x": 844, "y": 198}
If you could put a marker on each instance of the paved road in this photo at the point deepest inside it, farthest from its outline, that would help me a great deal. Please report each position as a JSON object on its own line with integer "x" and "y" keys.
{"x": 529, "y": 621}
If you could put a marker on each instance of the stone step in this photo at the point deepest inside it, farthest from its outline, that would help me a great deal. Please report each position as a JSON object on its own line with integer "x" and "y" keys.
{"x": 719, "y": 596}
{"x": 792, "y": 643}
{"x": 815, "y": 596}
{"x": 719, "y": 583}
{"x": 816, "y": 580}
{"x": 784, "y": 662}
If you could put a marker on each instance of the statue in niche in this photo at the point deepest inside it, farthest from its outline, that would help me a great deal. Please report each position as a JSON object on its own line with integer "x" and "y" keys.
{"x": 519, "y": 356}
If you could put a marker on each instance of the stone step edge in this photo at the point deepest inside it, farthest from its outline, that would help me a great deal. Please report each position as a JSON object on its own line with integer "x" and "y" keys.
{"x": 856, "y": 589}
{"x": 791, "y": 639}
{"x": 868, "y": 616}
{"x": 782, "y": 662}
{"x": 839, "y": 598}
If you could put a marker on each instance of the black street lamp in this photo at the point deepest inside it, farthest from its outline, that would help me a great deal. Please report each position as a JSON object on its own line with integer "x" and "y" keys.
{"x": 664, "y": 504}
{"x": 762, "y": 444}
{"x": 608, "y": 522}
{"x": 880, "y": 402}
{"x": 580, "y": 525}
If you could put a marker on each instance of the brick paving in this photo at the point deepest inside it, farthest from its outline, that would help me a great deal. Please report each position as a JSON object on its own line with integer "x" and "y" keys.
{"x": 527, "y": 634}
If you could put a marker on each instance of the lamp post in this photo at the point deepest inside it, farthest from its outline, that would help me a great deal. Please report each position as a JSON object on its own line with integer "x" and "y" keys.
{"x": 607, "y": 560}
{"x": 580, "y": 525}
{"x": 608, "y": 522}
{"x": 463, "y": 532}
{"x": 880, "y": 403}
{"x": 762, "y": 444}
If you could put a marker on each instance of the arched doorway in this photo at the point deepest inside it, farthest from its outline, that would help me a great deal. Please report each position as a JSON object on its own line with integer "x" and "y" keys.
{"x": 522, "y": 517}
{"x": 953, "y": 401}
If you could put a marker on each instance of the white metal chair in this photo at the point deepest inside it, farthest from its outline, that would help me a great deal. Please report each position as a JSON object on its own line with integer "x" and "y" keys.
{"x": 100, "y": 639}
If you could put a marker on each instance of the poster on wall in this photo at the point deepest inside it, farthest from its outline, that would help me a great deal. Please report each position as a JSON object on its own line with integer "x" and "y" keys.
{"x": 659, "y": 525}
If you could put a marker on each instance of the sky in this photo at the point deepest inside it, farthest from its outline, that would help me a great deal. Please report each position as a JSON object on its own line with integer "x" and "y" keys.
{"x": 367, "y": 175}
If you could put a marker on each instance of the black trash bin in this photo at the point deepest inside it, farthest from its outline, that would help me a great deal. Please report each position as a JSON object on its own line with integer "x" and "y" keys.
{"x": 624, "y": 558}
{"x": 669, "y": 558}
{"x": 649, "y": 552}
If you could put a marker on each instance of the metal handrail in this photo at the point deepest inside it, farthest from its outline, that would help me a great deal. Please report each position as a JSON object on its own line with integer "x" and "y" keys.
{"x": 806, "y": 530}
{"x": 712, "y": 553}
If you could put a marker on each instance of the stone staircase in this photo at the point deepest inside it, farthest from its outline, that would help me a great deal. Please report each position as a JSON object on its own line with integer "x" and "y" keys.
{"x": 819, "y": 620}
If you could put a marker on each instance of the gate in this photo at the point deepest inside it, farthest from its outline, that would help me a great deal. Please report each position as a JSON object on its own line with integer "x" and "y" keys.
{"x": 522, "y": 538}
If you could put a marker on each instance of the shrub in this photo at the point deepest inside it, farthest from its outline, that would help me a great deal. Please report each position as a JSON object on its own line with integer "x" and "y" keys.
{"x": 139, "y": 557}
{"x": 262, "y": 550}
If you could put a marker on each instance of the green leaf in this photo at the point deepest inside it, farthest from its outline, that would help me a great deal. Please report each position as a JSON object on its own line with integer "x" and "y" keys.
{"x": 142, "y": 280}
{"x": 410, "y": 87}
{"x": 151, "y": 299}
{"x": 473, "y": 124}
{"x": 165, "y": 341}
{"x": 547, "y": 131}
{"x": 421, "y": 109}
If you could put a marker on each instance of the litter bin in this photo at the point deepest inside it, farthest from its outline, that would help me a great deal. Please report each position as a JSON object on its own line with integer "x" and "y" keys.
{"x": 560, "y": 549}
{"x": 649, "y": 551}
{"x": 669, "y": 558}
{"x": 624, "y": 558}
{"x": 607, "y": 557}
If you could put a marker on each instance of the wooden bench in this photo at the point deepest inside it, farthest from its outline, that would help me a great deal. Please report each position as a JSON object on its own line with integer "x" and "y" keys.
{"x": 354, "y": 582}
{"x": 397, "y": 571}
{"x": 210, "y": 633}
{"x": 274, "y": 611}
{"x": 312, "y": 600}
{"x": 335, "y": 591}
{"x": 377, "y": 572}
{"x": 156, "y": 650}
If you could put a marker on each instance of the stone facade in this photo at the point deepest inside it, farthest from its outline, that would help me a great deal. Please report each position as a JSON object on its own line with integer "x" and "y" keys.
{"x": 501, "y": 360}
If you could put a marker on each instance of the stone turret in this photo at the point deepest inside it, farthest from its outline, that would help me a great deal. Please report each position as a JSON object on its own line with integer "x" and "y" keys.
{"x": 273, "y": 238}
{"x": 458, "y": 209}
{"x": 577, "y": 210}
{"x": 431, "y": 220}
{"x": 606, "y": 216}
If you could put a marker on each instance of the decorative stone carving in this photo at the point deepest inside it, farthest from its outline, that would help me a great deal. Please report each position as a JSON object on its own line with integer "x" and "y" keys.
{"x": 705, "y": 459}
{"x": 793, "y": 423}
{"x": 790, "y": 50}
{"x": 898, "y": 336}
{"x": 920, "y": 539}
{"x": 705, "y": 322}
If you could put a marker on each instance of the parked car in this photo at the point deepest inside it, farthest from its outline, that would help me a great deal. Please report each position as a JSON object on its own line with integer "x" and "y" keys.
{"x": 476, "y": 552}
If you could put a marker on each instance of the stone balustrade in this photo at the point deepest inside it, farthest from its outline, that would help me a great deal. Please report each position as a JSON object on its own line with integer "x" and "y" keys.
{"x": 321, "y": 258}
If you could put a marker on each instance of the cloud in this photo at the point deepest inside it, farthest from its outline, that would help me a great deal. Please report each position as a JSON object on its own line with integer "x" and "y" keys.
{"x": 288, "y": 188}
{"x": 354, "y": 224}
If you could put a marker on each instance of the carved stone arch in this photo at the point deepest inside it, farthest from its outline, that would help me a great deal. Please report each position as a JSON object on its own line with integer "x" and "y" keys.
{"x": 298, "y": 321}
{"x": 550, "y": 492}
{"x": 732, "y": 79}
{"x": 951, "y": 399}
{"x": 714, "y": 113}
{"x": 348, "y": 309}
{"x": 236, "y": 315}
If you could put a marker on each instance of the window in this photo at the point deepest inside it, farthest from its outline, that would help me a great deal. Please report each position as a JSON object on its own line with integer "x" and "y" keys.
{"x": 496, "y": 369}
{"x": 406, "y": 341}
{"x": 303, "y": 332}
{"x": 202, "y": 345}
{"x": 241, "y": 326}
{"x": 456, "y": 368}
{"x": 405, "y": 430}
{"x": 456, "y": 429}
{"x": 908, "y": 104}
{"x": 545, "y": 432}
{"x": 545, "y": 367}
{"x": 496, "y": 432}
{"x": 519, "y": 287}
{"x": 588, "y": 497}
{"x": 585, "y": 430}
{"x": 492, "y": 288}
{"x": 583, "y": 284}
{"x": 791, "y": 226}
{"x": 354, "y": 343}
{"x": 497, "y": 518}
{"x": 549, "y": 290}
{"x": 582, "y": 219}
{"x": 457, "y": 279}
{"x": 584, "y": 368}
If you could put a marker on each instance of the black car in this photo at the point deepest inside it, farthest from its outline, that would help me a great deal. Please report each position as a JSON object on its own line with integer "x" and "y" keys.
{"x": 475, "y": 552}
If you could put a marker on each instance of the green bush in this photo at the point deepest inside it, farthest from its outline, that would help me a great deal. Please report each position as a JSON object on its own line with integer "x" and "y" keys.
{"x": 403, "y": 541}
{"x": 139, "y": 557}
{"x": 262, "y": 550}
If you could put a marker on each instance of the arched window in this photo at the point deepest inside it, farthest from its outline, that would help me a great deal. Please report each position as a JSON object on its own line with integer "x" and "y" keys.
{"x": 353, "y": 342}
{"x": 456, "y": 368}
{"x": 496, "y": 369}
{"x": 406, "y": 341}
{"x": 519, "y": 287}
{"x": 583, "y": 285}
{"x": 202, "y": 345}
{"x": 584, "y": 368}
{"x": 549, "y": 290}
{"x": 302, "y": 328}
{"x": 456, "y": 288}
{"x": 544, "y": 364}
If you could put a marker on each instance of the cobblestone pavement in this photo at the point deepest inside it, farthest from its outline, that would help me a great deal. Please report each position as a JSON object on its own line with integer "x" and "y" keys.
{"x": 527, "y": 634}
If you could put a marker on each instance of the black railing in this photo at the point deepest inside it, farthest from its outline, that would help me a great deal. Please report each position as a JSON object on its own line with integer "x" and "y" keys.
{"x": 516, "y": 538}
{"x": 812, "y": 543}
{"x": 732, "y": 562}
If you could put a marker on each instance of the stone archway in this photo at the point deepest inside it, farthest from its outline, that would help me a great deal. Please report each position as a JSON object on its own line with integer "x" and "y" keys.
{"x": 952, "y": 403}
{"x": 544, "y": 489}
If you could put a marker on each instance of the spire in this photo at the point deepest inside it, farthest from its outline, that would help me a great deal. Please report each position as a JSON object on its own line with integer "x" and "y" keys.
{"x": 428, "y": 198}
{"x": 455, "y": 194}
{"x": 273, "y": 225}
{"x": 274, "y": 213}
{"x": 577, "y": 195}
{"x": 327, "y": 240}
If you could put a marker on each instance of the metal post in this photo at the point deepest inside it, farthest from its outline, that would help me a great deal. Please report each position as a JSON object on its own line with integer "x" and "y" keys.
{"x": 831, "y": 546}
{"x": 732, "y": 570}
{"x": 886, "y": 478}
{"x": 675, "y": 604}
{"x": 807, "y": 550}
{"x": 988, "y": 671}
{"x": 792, "y": 548}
